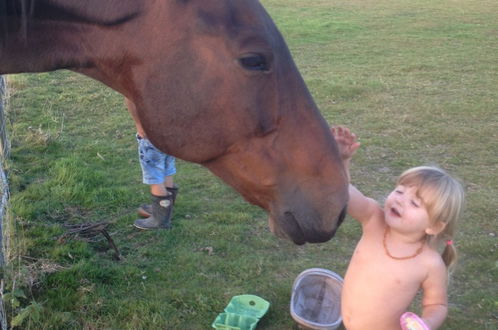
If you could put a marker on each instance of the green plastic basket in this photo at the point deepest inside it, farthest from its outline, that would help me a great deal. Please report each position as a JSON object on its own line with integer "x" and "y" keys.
{"x": 242, "y": 313}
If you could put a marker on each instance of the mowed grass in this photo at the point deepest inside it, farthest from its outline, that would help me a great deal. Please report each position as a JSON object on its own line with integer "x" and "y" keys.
{"x": 416, "y": 80}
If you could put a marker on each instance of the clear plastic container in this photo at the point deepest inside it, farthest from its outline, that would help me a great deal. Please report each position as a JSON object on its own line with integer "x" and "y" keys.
{"x": 316, "y": 299}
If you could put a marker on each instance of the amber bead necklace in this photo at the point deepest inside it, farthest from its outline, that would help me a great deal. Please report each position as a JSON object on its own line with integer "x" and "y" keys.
{"x": 419, "y": 250}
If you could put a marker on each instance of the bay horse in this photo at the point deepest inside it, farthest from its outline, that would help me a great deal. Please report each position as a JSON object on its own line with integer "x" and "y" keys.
{"x": 211, "y": 81}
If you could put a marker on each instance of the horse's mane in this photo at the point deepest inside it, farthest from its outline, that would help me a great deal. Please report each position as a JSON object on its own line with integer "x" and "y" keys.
{"x": 15, "y": 15}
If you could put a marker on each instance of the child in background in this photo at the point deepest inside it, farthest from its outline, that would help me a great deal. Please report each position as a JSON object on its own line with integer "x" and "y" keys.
{"x": 398, "y": 250}
{"x": 158, "y": 169}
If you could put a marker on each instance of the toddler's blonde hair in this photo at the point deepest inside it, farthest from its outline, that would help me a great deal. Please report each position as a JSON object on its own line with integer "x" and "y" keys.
{"x": 443, "y": 196}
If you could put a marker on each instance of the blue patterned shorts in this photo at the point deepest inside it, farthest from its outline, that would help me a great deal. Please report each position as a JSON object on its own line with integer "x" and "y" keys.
{"x": 156, "y": 165}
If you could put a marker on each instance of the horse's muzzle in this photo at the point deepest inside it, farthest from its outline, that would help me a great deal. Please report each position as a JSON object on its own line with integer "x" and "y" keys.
{"x": 289, "y": 227}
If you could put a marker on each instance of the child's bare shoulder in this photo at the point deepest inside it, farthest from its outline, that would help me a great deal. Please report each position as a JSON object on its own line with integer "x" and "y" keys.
{"x": 436, "y": 280}
{"x": 433, "y": 262}
{"x": 376, "y": 219}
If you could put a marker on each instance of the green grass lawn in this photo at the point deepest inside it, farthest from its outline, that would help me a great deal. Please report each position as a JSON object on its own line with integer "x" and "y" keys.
{"x": 416, "y": 80}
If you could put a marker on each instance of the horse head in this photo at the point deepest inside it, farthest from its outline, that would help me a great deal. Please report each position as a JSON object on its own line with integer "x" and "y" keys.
{"x": 213, "y": 83}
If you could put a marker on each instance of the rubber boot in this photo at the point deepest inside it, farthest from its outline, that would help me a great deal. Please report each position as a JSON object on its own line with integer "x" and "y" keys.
{"x": 145, "y": 210}
{"x": 162, "y": 208}
{"x": 174, "y": 191}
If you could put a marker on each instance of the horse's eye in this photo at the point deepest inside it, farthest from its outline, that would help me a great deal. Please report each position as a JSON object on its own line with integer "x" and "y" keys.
{"x": 254, "y": 62}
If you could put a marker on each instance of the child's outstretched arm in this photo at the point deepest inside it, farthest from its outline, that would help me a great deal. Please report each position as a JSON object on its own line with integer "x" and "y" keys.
{"x": 360, "y": 207}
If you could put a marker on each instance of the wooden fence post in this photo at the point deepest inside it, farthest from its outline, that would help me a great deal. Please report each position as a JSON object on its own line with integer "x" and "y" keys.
{"x": 4, "y": 190}
{"x": 4, "y": 142}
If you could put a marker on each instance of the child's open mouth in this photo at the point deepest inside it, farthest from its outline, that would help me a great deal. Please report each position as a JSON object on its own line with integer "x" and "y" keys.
{"x": 395, "y": 212}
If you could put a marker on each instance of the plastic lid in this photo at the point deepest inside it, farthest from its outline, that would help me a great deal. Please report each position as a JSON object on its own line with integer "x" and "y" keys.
{"x": 248, "y": 304}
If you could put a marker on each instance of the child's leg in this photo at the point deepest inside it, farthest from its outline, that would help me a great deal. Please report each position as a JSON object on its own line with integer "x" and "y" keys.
{"x": 158, "y": 190}
{"x": 168, "y": 182}
{"x": 155, "y": 167}
{"x": 153, "y": 163}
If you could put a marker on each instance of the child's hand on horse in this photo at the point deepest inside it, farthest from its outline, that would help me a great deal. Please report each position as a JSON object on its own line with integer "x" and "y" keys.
{"x": 346, "y": 141}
